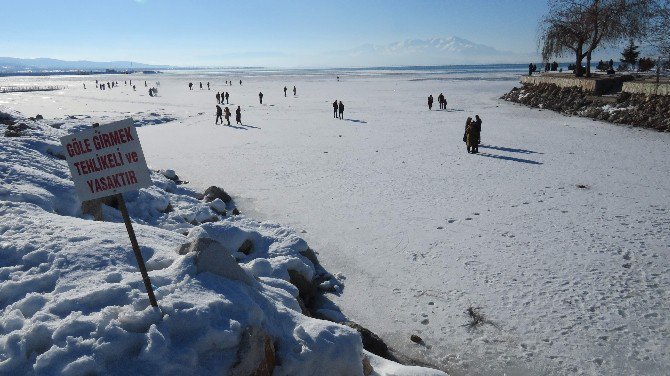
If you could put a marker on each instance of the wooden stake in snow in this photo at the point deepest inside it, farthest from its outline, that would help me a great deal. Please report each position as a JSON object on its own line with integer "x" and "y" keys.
{"x": 107, "y": 161}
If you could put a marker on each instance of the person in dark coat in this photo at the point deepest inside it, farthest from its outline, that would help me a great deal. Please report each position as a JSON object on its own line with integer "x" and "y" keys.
{"x": 335, "y": 109}
{"x": 260, "y": 97}
{"x": 227, "y": 96}
{"x": 430, "y": 102}
{"x": 201, "y": 86}
{"x": 226, "y": 112}
{"x": 190, "y": 85}
{"x": 478, "y": 130}
{"x": 440, "y": 100}
{"x": 238, "y": 115}
{"x": 285, "y": 89}
{"x": 295, "y": 91}
{"x": 219, "y": 114}
{"x": 340, "y": 109}
{"x": 218, "y": 98}
{"x": 207, "y": 85}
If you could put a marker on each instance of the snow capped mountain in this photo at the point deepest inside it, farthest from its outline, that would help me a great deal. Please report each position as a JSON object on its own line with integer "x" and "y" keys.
{"x": 434, "y": 51}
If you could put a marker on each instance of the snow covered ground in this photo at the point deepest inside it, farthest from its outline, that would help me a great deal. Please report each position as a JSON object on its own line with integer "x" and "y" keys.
{"x": 558, "y": 231}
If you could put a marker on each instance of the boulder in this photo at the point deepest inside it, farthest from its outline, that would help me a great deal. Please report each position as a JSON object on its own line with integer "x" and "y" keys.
{"x": 247, "y": 247}
{"x": 307, "y": 289}
{"x": 212, "y": 257}
{"x": 39, "y": 117}
{"x": 214, "y": 192}
{"x": 255, "y": 354}
{"x": 371, "y": 341}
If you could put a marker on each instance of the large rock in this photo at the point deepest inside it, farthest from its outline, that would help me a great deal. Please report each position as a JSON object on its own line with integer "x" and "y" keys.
{"x": 214, "y": 192}
{"x": 255, "y": 354}
{"x": 212, "y": 257}
{"x": 371, "y": 341}
{"x": 307, "y": 289}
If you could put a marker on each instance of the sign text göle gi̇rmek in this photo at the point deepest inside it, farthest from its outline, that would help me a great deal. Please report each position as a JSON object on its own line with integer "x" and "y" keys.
{"x": 107, "y": 161}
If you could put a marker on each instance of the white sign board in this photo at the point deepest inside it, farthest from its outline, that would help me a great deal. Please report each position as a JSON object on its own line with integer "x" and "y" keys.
{"x": 106, "y": 160}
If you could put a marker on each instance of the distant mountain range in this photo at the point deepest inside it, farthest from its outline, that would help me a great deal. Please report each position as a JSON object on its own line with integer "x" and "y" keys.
{"x": 434, "y": 51}
{"x": 9, "y": 64}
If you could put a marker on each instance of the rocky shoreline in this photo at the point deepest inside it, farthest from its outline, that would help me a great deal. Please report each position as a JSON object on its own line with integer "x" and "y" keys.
{"x": 638, "y": 110}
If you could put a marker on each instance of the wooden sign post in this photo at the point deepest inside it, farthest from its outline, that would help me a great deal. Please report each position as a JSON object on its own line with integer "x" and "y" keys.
{"x": 107, "y": 161}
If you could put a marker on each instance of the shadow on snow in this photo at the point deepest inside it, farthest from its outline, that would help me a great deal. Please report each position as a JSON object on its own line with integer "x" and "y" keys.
{"x": 509, "y": 150}
{"x": 521, "y": 160}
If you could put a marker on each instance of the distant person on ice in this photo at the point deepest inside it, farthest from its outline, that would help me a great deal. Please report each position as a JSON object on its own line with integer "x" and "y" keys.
{"x": 440, "y": 100}
{"x": 218, "y": 98}
{"x": 219, "y": 114}
{"x": 430, "y": 102}
{"x": 201, "y": 86}
{"x": 226, "y": 111}
{"x": 240, "y": 82}
{"x": 260, "y": 97}
{"x": 335, "y": 109}
{"x": 238, "y": 116}
{"x": 340, "y": 109}
{"x": 227, "y": 96}
{"x": 285, "y": 91}
{"x": 295, "y": 92}
{"x": 190, "y": 85}
{"x": 207, "y": 85}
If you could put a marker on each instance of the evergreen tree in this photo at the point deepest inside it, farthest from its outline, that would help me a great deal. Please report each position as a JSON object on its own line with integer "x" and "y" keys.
{"x": 630, "y": 53}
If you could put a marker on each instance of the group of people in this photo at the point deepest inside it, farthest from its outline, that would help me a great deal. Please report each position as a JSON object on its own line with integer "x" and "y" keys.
{"x": 220, "y": 97}
{"x": 472, "y": 135}
{"x": 113, "y": 84}
{"x": 295, "y": 91}
{"x": 440, "y": 99}
{"x": 225, "y": 113}
{"x": 338, "y": 109}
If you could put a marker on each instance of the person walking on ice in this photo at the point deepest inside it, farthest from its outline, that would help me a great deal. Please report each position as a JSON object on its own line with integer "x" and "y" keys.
{"x": 295, "y": 91}
{"x": 218, "y": 98}
{"x": 335, "y": 109}
{"x": 207, "y": 85}
{"x": 226, "y": 112}
{"x": 219, "y": 114}
{"x": 190, "y": 85}
{"x": 430, "y": 102}
{"x": 340, "y": 108}
{"x": 285, "y": 91}
{"x": 238, "y": 116}
{"x": 260, "y": 97}
{"x": 227, "y": 96}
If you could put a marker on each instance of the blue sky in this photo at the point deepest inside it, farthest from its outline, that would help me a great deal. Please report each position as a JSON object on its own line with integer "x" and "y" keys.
{"x": 254, "y": 32}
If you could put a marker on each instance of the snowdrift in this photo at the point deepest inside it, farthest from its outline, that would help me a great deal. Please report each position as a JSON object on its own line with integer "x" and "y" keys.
{"x": 72, "y": 300}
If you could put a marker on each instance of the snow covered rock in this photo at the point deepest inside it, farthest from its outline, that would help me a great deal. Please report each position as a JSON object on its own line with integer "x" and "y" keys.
{"x": 212, "y": 257}
{"x": 218, "y": 206}
{"x": 256, "y": 354}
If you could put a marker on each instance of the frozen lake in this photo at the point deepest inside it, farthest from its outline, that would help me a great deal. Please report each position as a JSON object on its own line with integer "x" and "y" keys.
{"x": 558, "y": 231}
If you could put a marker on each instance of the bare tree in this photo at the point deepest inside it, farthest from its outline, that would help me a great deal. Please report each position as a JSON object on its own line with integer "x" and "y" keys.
{"x": 658, "y": 32}
{"x": 581, "y": 26}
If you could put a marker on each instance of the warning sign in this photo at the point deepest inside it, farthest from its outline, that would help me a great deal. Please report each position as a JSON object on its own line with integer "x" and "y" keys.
{"x": 106, "y": 160}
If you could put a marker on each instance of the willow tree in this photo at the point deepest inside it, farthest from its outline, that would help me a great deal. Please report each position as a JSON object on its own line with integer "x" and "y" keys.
{"x": 581, "y": 26}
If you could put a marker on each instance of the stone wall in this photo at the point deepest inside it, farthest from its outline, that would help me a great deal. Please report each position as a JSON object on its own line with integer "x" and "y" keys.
{"x": 640, "y": 110}
{"x": 598, "y": 85}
